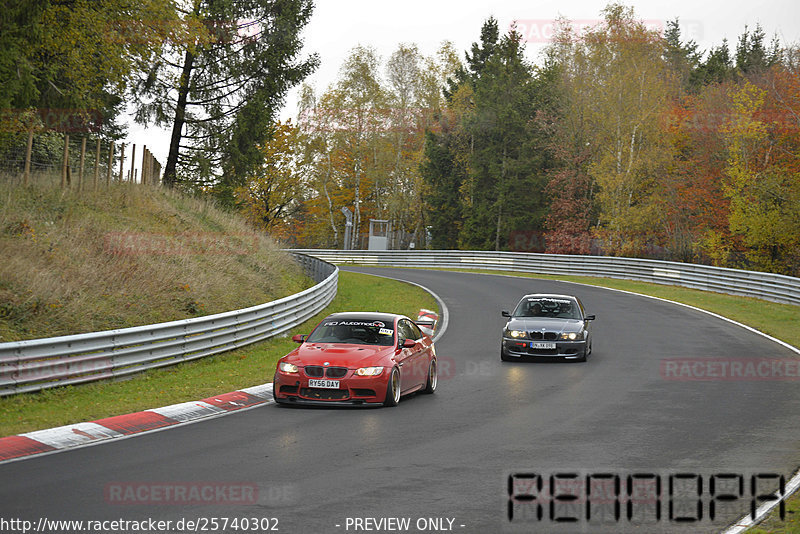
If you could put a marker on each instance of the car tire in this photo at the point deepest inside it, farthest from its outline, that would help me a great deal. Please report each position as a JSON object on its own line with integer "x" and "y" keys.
{"x": 503, "y": 356}
{"x": 585, "y": 354}
{"x": 433, "y": 378}
{"x": 393, "y": 388}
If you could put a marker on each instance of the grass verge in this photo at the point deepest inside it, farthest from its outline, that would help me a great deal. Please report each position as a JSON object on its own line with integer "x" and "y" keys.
{"x": 203, "y": 378}
{"x": 127, "y": 255}
{"x": 773, "y": 524}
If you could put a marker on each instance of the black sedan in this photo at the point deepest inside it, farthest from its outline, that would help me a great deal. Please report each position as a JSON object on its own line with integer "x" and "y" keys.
{"x": 549, "y": 326}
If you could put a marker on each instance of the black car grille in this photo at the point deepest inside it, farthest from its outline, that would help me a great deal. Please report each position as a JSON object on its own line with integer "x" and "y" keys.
{"x": 315, "y": 371}
{"x": 547, "y": 336}
{"x": 335, "y": 372}
{"x": 289, "y": 389}
{"x": 358, "y": 392}
{"x": 324, "y": 394}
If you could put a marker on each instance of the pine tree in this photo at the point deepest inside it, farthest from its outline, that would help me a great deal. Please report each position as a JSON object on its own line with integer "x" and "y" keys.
{"x": 220, "y": 95}
{"x": 444, "y": 179}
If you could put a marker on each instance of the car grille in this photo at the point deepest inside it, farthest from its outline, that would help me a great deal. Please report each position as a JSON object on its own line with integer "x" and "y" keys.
{"x": 289, "y": 389}
{"x": 335, "y": 372}
{"x": 324, "y": 394}
{"x": 315, "y": 371}
{"x": 547, "y": 336}
{"x": 358, "y": 392}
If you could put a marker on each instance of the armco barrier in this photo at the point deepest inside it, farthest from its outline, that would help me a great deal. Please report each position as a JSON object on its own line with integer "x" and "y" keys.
{"x": 37, "y": 364}
{"x": 774, "y": 287}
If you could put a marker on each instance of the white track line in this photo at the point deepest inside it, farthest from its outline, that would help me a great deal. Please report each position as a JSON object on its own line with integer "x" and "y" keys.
{"x": 444, "y": 315}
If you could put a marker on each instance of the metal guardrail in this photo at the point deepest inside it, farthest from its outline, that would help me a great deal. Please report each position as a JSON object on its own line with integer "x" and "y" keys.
{"x": 37, "y": 364}
{"x": 768, "y": 286}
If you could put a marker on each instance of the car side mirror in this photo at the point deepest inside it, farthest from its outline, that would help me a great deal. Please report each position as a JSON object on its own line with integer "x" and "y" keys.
{"x": 589, "y": 318}
{"x": 504, "y": 313}
{"x": 299, "y": 338}
{"x": 409, "y": 343}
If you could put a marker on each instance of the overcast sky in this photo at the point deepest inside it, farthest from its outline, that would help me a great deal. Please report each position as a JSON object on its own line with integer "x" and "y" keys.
{"x": 338, "y": 25}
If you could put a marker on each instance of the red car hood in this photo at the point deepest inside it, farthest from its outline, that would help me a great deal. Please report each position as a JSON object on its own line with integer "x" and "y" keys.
{"x": 340, "y": 355}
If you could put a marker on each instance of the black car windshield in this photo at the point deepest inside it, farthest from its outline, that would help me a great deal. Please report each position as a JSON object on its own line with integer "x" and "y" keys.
{"x": 356, "y": 331}
{"x": 561, "y": 308}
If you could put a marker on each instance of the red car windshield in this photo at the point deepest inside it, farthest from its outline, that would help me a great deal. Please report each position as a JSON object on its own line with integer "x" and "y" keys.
{"x": 355, "y": 331}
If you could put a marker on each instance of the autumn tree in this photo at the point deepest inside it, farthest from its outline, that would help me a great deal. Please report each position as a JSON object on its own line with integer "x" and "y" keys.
{"x": 273, "y": 192}
{"x": 621, "y": 84}
{"x": 365, "y": 136}
{"x": 762, "y": 178}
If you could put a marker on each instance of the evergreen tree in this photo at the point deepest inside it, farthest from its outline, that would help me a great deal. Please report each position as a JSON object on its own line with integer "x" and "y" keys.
{"x": 507, "y": 176}
{"x": 19, "y": 31}
{"x": 683, "y": 57}
{"x": 444, "y": 179}
{"x": 65, "y": 66}
{"x": 752, "y": 55}
{"x": 717, "y": 67}
{"x": 220, "y": 95}
{"x": 476, "y": 61}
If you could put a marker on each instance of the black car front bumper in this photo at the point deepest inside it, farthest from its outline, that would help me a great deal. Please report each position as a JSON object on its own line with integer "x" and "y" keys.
{"x": 564, "y": 349}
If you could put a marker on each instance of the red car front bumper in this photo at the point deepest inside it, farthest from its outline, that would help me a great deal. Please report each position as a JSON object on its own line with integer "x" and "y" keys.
{"x": 293, "y": 388}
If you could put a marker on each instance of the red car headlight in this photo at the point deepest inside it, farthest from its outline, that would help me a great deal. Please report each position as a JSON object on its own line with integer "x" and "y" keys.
{"x": 369, "y": 371}
{"x": 287, "y": 367}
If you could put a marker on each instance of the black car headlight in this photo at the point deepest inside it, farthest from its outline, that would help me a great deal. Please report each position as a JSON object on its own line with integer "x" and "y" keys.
{"x": 571, "y": 336}
{"x": 516, "y": 334}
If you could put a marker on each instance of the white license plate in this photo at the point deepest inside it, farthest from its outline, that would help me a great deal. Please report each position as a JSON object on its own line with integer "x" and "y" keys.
{"x": 327, "y": 384}
{"x": 542, "y": 345}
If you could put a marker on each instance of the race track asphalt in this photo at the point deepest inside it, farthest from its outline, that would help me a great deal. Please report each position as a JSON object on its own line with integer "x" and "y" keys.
{"x": 448, "y": 457}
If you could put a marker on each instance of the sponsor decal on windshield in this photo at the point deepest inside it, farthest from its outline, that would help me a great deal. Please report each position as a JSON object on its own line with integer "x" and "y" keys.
{"x": 355, "y": 323}
{"x": 386, "y": 331}
{"x": 560, "y": 301}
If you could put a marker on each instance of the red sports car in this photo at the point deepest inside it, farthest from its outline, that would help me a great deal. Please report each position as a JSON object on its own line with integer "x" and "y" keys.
{"x": 357, "y": 358}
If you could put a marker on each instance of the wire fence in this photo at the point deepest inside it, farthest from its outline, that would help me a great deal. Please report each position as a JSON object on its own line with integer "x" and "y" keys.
{"x": 82, "y": 160}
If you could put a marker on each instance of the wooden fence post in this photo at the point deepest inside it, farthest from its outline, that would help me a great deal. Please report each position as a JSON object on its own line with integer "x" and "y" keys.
{"x": 96, "y": 164}
{"x": 157, "y": 171}
{"x": 132, "y": 177}
{"x": 144, "y": 164}
{"x": 83, "y": 159}
{"x": 26, "y": 175}
{"x": 65, "y": 162}
{"x": 111, "y": 163}
{"x": 121, "y": 162}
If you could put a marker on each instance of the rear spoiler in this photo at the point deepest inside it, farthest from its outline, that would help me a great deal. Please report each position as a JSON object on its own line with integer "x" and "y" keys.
{"x": 427, "y": 320}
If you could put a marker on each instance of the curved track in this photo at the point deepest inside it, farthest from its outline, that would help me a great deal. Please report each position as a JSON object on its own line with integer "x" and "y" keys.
{"x": 448, "y": 455}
